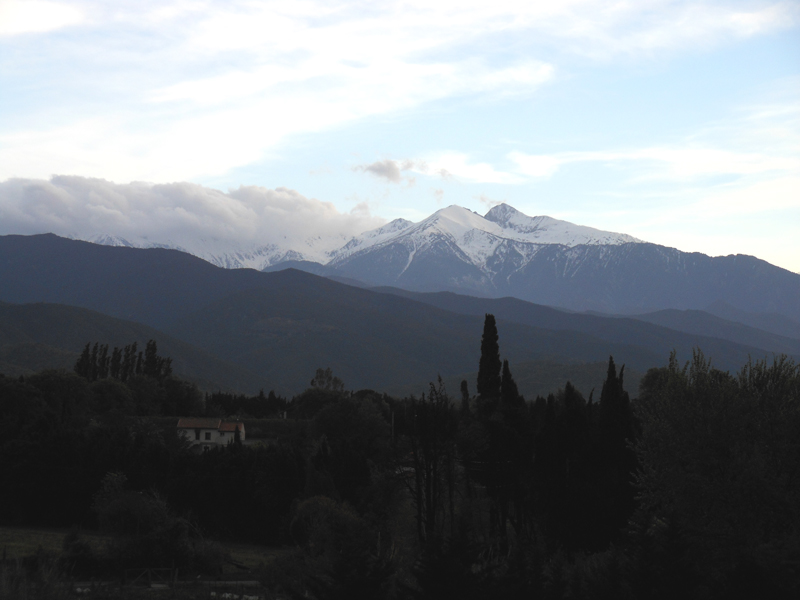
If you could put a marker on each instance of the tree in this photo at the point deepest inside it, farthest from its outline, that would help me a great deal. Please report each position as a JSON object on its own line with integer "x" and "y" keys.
{"x": 615, "y": 461}
{"x": 509, "y": 393}
{"x": 84, "y": 364}
{"x": 489, "y": 380}
{"x": 432, "y": 437}
{"x": 464, "y": 399}
{"x": 719, "y": 462}
{"x": 324, "y": 379}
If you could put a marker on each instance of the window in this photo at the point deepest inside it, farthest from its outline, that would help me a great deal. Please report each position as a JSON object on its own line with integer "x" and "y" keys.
{"x": 197, "y": 434}
{"x": 221, "y": 434}
{"x": 208, "y": 435}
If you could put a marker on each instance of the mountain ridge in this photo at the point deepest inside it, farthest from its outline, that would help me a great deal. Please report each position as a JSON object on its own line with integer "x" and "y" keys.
{"x": 282, "y": 326}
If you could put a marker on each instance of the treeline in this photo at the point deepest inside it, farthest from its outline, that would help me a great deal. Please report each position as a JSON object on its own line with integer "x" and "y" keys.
{"x": 691, "y": 490}
{"x": 260, "y": 406}
{"x": 123, "y": 363}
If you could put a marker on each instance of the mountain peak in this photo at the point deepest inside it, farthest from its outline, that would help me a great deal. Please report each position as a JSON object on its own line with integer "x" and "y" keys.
{"x": 502, "y": 213}
{"x": 547, "y": 230}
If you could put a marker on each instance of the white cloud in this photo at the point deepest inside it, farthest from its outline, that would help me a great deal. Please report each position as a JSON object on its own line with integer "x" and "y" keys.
{"x": 183, "y": 212}
{"x": 265, "y": 71}
{"x": 673, "y": 163}
{"x": 36, "y": 16}
{"x": 458, "y": 165}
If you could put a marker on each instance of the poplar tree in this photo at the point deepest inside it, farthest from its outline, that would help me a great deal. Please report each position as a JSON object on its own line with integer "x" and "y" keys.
{"x": 489, "y": 381}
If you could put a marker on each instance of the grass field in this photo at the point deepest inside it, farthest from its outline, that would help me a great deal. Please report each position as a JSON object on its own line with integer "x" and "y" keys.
{"x": 19, "y": 542}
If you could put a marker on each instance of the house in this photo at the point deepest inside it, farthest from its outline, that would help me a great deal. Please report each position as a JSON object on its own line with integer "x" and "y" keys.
{"x": 209, "y": 432}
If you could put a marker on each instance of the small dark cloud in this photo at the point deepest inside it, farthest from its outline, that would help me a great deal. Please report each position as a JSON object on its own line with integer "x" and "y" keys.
{"x": 445, "y": 174}
{"x": 387, "y": 169}
{"x": 392, "y": 170}
{"x": 438, "y": 194}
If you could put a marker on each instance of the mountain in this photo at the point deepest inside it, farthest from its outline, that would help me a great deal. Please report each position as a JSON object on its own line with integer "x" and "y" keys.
{"x": 38, "y": 336}
{"x": 507, "y": 253}
{"x": 711, "y": 334}
{"x": 457, "y": 249}
{"x": 231, "y": 254}
{"x": 153, "y": 286}
{"x": 282, "y": 326}
{"x": 702, "y": 323}
{"x": 372, "y": 340}
{"x": 472, "y": 233}
{"x": 771, "y": 322}
{"x": 555, "y": 263}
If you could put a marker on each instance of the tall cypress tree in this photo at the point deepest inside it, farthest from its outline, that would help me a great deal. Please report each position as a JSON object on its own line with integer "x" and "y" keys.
{"x": 615, "y": 460}
{"x": 84, "y": 364}
{"x": 489, "y": 381}
{"x": 464, "y": 398}
{"x": 93, "y": 364}
{"x": 116, "y": 363}
{"x": 509, "y": 392}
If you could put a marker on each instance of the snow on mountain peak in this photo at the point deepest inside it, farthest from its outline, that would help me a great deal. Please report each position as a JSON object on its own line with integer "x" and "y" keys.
{"x": 546, "y": 230}
{"x": 478, "y": 237}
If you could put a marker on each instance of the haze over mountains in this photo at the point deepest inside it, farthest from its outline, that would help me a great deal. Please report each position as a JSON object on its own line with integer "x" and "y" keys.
{"x": 277, "y": 328}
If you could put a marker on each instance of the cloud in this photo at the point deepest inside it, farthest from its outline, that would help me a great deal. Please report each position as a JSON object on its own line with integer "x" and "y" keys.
{"x": 392, "y": 170}
{"x": 673, "y": 163}
{"x": 457, "y": 165}
{"x": 17, "y": 17}
{"x": 257, "y": 73}
{"x": 486, "y": 201}
{"x": 177, "y": 212}
{"x": 387, "y": 169}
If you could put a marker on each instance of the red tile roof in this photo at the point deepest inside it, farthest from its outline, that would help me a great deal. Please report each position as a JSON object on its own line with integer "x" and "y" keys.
{"x": 231, "y": 426}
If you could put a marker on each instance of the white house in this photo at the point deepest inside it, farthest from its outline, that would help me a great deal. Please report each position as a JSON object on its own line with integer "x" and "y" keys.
{"x": 209, "y": 432}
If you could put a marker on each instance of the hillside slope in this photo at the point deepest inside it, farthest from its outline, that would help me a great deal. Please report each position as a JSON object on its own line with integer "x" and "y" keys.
{"x": 38, "y": 336}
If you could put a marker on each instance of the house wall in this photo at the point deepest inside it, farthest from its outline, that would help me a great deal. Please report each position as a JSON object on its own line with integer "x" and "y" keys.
{"x": 219, "y": 438}
{"x": 189, "y": 434}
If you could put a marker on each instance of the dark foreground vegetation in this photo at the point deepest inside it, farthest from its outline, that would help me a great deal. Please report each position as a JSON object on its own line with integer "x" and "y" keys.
{"x": 691, "y": 490}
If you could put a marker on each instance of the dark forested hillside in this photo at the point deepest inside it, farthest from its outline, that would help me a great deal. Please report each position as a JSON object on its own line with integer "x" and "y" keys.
{"x": 704, "y": 331}
{"x": 39, "y": 336}
{"x": 278, "y": 328}
{"x": 153, "y": 286}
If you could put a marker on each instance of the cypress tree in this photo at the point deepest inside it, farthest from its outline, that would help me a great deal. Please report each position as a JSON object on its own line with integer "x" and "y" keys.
{"x": 102, "y": 362}
{"x": 116, "y": 363}
{"x": 93, "y": 362}
{"x": 83, "y": 365}
{"x": 489, "y": 381}
{"x": 509, "y": 393}
{"x": 150, "y": 366}
{"x": 464, "y": 398}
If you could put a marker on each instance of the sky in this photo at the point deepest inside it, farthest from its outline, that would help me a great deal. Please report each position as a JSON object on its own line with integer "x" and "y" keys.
{"x": 675, "y": 122}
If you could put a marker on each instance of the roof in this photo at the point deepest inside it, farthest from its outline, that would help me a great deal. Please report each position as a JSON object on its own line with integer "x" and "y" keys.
{"x": 231, "y": 426}
{"x": 198, "y": 423}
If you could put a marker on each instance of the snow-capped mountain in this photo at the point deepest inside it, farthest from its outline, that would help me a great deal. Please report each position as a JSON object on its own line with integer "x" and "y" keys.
{"x": 481, "y": 239}
{"x": 456, "y": 248}
{"x": 546, "y": 230}
{"x": 506, "y": 253}
{"x": 478, "y": 238}
{"x": 234, "y": 255}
